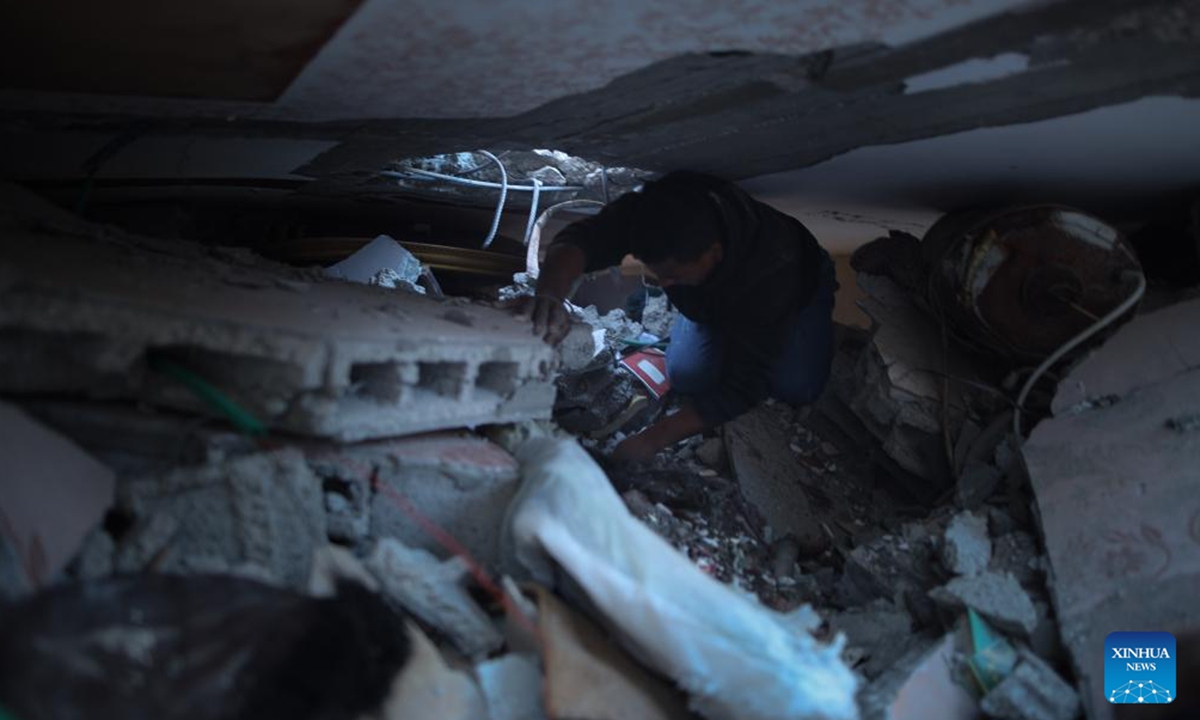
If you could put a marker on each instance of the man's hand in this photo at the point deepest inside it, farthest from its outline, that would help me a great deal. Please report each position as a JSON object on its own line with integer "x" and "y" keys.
{"x": 640, "y": 448}
{"x": 549, "y": 315}
{"x": 667, "y": 431}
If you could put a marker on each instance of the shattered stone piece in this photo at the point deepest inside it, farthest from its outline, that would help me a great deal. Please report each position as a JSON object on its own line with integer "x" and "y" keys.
{"x": 548, "y": 175}
{"x": 882, "y": 568}
{"x": 434, "y": 591}
{"x": 966, "y": 547}
{"x": 512, "y": 687}
{"x": 998, "y": 598}
{"x": 580, "y": 347}
{"x": 711, "y": 452}
{"x": 1033, "y": 691}
{"x": 658, "y": 315}
{"x": 260, "y": 510}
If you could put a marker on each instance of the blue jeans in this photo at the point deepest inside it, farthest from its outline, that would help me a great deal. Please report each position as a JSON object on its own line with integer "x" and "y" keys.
{"x": 798, "y": 376}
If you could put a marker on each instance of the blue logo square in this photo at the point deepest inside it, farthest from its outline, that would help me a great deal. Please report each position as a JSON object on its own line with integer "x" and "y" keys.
{"x": 1139, "y": 668}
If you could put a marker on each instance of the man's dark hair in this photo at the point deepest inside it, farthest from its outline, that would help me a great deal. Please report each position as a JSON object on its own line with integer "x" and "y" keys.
{"x": 675, "y": 220}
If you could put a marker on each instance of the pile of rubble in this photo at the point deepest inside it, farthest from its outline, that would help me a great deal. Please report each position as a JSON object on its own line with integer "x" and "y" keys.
{"x": 880, "y": 554}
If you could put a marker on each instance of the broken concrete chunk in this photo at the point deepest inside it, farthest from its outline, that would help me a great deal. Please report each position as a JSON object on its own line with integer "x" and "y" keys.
{"x": 434, "y": 591}
{"x": 999, "y": 598}
{"x": 512, "y": 687}
{"x": 966, "y": 547}
{"x": 98, "y": 556}
{"x": 772, "y": 480}
{"x": 261, "y": 510}
{"x": 580, "y": 347}
{"x": 1033, "y": 691}
{"x": 887, "y": 567}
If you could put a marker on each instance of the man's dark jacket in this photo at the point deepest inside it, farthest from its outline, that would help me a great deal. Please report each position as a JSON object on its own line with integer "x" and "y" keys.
{"x": 769, "y": 272}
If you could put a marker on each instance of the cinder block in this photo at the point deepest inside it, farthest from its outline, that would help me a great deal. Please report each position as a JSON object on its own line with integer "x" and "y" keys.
{"x": 462, "y": 484}
{"x": 307, "y": 354}
{"x": 260, "y": 514}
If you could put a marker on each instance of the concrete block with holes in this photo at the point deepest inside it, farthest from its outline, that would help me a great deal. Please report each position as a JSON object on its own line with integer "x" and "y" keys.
{"x": 461, "y": 484}
{"x": 320, "y": 357}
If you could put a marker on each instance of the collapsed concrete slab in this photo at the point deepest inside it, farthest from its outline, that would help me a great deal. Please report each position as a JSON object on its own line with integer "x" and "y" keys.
{"x": 1115, "y": 486}
{"x": 259, "y": 515}
{"x": 117, "y": 316}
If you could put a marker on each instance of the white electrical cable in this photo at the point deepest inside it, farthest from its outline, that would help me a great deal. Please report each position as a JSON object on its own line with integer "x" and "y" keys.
{"x": 418, "y": 174}
{"x": 534, "y": 238}
{"x": 503, "y": 196}
{"x": 533, "y": 208}
{"x": 1072, "y": 343}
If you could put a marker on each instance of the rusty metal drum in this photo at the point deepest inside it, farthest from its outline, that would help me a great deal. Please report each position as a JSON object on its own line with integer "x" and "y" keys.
{"x": 1021, "y": 281}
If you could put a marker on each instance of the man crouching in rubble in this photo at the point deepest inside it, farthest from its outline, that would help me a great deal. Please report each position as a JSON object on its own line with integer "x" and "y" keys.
{"x": 753, "y": 287}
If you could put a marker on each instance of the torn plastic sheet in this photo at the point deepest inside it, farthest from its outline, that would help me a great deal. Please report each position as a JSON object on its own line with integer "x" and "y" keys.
{"x": 735, "y": 657}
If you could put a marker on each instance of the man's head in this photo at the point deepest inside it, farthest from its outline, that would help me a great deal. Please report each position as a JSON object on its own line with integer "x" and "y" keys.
{"x": 677, "y": 233}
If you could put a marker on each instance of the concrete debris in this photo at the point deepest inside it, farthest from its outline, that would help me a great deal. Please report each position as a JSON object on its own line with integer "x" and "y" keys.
{"x": 429, "y": 688}
{"x": 332, "y": 565}
{"x": 772, "y": 480}
{"x": 998, "y": 598}
{"x": 1115, "y": 492}
{"x": 712, "y": 452}
{"x": 581, "y": 347}
{"x": 548, "y": 176}
{"x": 589, "y": 676}
{"x": 617, "y": 326}
{"x": 347, "y": 513}
{"x": 260, "y": 511}
{"x": 966, "y": 548}
{"x": 658, "y": 316}
{"x": 898, "y": 385}
{"x": 512, "y": 687}
{"x": 460, "y": 483}
{"x": 590, "y": 402}
{"x": 889, "y": 567}
{"x": 52, "y": 495}
{"x": 921, "y": 686}
{"x": 1033, "y": 691}
{"x": 879, "y": 634}
{"x": 749, "y": 663}
{"x": 339, "y": 360}
{"x": 435, "y": 592}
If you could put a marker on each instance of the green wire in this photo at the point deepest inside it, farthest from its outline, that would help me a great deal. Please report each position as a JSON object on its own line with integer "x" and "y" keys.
{"x": 241, "y": 418}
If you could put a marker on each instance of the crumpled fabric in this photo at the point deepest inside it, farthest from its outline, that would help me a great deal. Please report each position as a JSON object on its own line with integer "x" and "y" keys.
{"x": 737, "y": 659}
